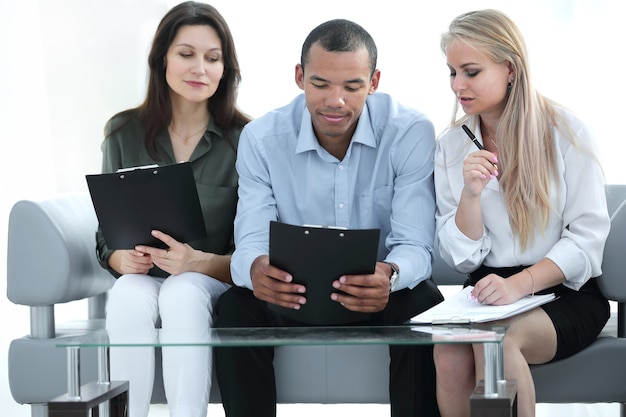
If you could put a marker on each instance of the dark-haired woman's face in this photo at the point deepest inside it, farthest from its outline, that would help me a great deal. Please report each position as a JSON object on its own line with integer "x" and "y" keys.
{"x": 194, "y": 63}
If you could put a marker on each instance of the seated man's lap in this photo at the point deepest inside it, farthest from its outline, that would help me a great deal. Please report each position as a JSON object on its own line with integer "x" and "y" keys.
{"x": 406, "y": 303}
{"x": 238, "y": 307}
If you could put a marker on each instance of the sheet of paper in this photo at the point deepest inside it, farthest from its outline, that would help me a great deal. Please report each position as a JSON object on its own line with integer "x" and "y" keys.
{"x": 457, "y": 333}
{"x": 462, "y": 308}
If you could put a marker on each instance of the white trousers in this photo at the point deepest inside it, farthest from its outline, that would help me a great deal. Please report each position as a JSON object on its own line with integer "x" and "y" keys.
{"x": 183, "y": 302}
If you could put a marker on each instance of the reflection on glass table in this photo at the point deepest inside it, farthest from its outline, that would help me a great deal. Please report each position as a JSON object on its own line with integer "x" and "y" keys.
{"x": 490, "y": 336}
{"x": 285, "y": 336}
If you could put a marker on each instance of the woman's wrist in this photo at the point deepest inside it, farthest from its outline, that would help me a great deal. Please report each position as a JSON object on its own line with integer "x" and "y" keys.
{"x": 532, "y": 281}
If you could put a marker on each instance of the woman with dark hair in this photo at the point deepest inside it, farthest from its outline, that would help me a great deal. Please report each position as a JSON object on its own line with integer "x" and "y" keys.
{"x": 189, "y": 115}
{"x": 523, "y": 213}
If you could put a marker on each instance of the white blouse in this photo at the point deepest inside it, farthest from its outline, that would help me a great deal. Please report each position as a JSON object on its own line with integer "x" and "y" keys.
{"x": 577, "y": 230}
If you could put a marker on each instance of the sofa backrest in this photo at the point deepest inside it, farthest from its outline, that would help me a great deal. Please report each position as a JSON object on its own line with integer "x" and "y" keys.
{"x": 51, "y": 251}
{"x": 613, "y": 280}
{"x": 615, "y": 196}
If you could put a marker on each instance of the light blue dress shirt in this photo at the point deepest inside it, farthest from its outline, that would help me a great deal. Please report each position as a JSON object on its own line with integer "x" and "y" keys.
{"x": 385, "y": 181}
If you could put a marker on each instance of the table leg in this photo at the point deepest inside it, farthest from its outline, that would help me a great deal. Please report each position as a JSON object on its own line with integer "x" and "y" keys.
{"x": 73, "y": 373}
{"x": 104, "y": 378}
{"x": 93, "y": 394}
{"x": 494, "y": 396}
{"x": 94, "y": 399}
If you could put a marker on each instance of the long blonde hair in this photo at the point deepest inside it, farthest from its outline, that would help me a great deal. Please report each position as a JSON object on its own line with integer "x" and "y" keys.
{"x": 525, "y": 135}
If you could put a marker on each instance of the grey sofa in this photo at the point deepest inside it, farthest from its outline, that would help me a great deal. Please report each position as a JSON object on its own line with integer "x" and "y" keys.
{"x": 51, "y": 260}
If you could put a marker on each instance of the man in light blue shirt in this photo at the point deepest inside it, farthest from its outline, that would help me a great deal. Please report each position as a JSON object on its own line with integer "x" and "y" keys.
{"x": 338, "y": 155}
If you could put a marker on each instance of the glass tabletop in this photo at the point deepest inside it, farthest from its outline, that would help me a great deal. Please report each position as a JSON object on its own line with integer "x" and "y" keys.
{"x": 409, "y": 334}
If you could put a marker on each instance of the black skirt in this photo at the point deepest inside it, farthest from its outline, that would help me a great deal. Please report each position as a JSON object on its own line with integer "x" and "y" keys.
{"x": 578, "y": 316}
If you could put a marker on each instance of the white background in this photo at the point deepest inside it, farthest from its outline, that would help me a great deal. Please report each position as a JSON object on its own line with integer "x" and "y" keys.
{"x": 68, "y": 65}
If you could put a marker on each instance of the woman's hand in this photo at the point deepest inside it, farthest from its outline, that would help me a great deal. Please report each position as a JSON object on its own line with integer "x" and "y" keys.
{"x": 478, "y": 170}
{"x": 130, "y": 262}
{"x": 176, "y": 259}
{"x": 495, "y": 290}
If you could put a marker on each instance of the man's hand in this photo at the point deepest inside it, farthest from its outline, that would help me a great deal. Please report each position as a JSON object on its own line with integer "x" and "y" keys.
{"x": 364, "y": 293}
{"x": 274, "y": 285}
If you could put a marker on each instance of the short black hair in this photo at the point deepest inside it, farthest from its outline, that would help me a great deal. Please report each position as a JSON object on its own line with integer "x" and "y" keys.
{"x": 340, "y": 35}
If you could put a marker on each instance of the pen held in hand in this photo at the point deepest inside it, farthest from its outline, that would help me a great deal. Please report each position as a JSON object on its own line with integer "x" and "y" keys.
{"x": 476, "y": 142}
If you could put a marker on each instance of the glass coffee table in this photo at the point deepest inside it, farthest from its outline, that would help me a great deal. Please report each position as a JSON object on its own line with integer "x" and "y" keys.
{"x": 493, "y": 396}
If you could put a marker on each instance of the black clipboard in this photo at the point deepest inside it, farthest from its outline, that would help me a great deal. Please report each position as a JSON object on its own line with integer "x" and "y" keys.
{"x": 131, "y": 203}
{"x": 316, "y": 256}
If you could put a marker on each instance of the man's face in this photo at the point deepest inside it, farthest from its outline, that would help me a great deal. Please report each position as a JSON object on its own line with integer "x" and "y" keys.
{"x": 336, "y": 85}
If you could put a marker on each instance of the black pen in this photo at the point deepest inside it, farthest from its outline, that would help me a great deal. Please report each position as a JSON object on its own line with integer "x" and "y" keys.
{"x": 476, "y": 142}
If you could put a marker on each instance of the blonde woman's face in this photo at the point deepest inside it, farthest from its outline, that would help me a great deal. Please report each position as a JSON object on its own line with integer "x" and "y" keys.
{"x": 478, "y": 83}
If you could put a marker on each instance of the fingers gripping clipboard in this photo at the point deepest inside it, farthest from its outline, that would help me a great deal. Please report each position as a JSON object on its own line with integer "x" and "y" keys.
{"x": 316, "y": 256}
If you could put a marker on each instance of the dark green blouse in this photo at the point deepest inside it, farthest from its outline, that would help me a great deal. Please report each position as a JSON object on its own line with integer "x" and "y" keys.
{"x": 213, "y": 164}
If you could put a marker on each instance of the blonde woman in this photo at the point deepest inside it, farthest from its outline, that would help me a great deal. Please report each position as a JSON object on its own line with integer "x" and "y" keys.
{"x": 523, "y": 213}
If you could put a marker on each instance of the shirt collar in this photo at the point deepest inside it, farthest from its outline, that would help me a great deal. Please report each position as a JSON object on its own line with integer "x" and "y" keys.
{"x": 163, "y": 139}
{"x": 307, "y": 141}
{"x": 212, "y": 128}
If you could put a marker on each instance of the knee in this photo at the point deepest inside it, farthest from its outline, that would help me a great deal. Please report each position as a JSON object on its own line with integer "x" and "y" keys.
{"x": 132, "y": 289}
{"x": 238, "y": 307}
{"x": 453, "y": 362}
{"x": 184, "y": 289}
{"x": 132, "y": 302}
{"x": 186, "y": 298}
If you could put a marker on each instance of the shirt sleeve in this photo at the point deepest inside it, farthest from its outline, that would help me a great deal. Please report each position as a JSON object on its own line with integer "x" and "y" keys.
{"x": 110, "y": 158}
{"x": 413, "y": 204}
{"x": 255, "y": 208}
{"x": 585, "y": 216}
{"x": 455, "y": 248}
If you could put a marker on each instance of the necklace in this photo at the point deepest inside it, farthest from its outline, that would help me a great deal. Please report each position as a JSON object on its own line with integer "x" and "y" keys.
{"x": 186, "y": 139}
{"x": 492, "y": 140}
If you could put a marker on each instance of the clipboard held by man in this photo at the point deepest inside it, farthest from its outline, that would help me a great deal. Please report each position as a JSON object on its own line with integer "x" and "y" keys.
{"x": 316, "y": 256}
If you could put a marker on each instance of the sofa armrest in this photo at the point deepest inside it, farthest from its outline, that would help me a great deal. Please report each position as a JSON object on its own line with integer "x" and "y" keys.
{"x": 51, "y": 251}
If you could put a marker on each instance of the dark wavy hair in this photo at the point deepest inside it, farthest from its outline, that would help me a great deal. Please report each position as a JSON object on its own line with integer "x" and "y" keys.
{"x": 155, "y": 113}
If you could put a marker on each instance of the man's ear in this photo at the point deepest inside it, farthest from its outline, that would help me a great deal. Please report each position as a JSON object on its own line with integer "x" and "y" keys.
{"x": 374, "y": 82}
{"x": 300, "y": 76}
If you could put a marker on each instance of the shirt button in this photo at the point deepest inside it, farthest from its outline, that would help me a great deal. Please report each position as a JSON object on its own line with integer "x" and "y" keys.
{"x": 340, "y": 205}
{"x": 341, "y": 167}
